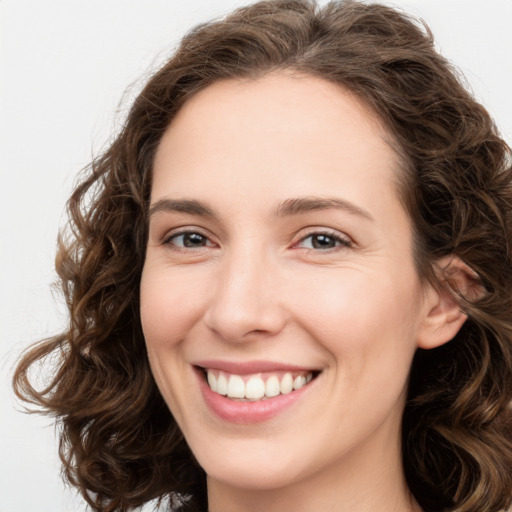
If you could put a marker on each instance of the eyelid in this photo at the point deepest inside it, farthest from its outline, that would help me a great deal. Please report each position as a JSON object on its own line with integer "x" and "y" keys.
{"x": 344, "y": 240}
{"x": 184, "y": 230}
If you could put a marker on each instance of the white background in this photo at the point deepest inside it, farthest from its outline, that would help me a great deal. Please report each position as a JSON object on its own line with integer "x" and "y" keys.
{"x": 64, "y": 67}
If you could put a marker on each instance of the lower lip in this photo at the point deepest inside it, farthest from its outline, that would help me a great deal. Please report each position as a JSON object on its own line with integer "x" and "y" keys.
{"x": 243, "y": 413}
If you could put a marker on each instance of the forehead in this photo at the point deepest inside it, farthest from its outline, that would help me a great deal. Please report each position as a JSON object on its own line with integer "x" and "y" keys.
{"x": 300, "y": 104}
{"x": 278, "y": 133}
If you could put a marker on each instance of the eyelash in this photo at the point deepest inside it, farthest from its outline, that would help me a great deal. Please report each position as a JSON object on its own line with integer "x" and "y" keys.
{"x": 168, "y": 240}
{"x": 339, "y": 240}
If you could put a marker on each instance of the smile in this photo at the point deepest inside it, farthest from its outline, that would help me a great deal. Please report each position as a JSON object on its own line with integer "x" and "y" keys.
{"x": 256, "y": 387}
{"x": 247, "y": 393}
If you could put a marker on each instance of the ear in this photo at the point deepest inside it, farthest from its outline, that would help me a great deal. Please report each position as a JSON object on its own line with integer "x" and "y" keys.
{"x": 443, "y": 317}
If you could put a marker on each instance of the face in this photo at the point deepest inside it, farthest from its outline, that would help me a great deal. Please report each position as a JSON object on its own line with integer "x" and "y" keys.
{"x": 279, "y": 269}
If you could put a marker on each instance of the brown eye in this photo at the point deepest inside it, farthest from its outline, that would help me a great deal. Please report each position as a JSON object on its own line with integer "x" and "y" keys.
{"x": 324, "y": 241}
{"x": 188, "y": 240}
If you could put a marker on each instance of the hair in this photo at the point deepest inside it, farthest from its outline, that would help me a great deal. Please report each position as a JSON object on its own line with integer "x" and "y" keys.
{"x": 119, "y": 443}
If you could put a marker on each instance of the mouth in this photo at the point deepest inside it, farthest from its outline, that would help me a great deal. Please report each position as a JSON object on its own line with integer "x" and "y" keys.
{"x": 256, "y": 387}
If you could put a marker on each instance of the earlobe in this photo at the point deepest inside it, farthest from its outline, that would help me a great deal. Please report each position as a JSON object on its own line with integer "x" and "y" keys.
{"x": 443, "y": 315}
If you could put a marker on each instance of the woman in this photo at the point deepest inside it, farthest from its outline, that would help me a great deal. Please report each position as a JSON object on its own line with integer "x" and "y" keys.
{"x": 289, "y": 279}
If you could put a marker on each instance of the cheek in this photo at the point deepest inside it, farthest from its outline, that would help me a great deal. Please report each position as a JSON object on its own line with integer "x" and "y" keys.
{"x": 169, "y": 307}
{"x": 361, "y": 318}
{"x": 368, "y": 328}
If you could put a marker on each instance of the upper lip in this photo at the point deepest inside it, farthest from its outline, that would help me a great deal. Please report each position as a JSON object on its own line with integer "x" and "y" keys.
{"x": 248, "y": 367}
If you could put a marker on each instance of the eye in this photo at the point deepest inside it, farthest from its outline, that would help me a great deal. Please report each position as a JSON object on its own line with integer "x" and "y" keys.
{"x": 188, "y": 240}
{"x": 324, "y": 241}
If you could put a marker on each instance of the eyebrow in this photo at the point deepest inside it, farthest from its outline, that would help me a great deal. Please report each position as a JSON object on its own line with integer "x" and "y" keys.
{"x": 312, "y": 204}
{"x": 189, "y": 206}
{"x": 287, "y": 208}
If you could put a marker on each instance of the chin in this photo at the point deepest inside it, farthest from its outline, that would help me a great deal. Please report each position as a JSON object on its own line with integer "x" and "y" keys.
{"x": 257, "y": 479}
{"x": 251, "y": 472}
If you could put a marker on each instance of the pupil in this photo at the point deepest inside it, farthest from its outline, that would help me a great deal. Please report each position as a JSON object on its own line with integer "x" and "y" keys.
{"x": 323, "y": 242}
{"x": 193, "y": 240}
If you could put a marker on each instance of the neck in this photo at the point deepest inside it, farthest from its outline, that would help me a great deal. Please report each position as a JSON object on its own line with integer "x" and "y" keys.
{"x": 365, "y": 481}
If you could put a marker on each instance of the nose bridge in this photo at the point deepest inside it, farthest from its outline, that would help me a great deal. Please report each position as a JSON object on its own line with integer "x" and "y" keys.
{"x": 243, "y": 301}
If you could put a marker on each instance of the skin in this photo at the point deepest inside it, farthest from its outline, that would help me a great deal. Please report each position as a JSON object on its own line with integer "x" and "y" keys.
{"x": 258, "y": 286}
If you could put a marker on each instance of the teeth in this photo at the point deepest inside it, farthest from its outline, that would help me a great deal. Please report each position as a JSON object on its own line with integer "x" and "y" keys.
{"x": 272, "y": 387}
{"x": 222, "y": 385}
{"x": 254, "y": 387}
{"x": 287, "y": 384}
{"x": 236, "y": 387}
{"x": 299, "y": 381}
{"x": 212, "y": 380}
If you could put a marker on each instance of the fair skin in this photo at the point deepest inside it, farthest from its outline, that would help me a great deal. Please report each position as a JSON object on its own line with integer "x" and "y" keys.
{"x": 277, "y": 238}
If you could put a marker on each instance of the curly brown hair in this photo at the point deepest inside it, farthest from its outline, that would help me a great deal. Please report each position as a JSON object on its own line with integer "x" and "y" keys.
{"x": 119, "y": 443}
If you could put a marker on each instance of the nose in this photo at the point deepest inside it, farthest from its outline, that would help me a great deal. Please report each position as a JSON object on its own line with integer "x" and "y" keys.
{"x": 246, "y": 301}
